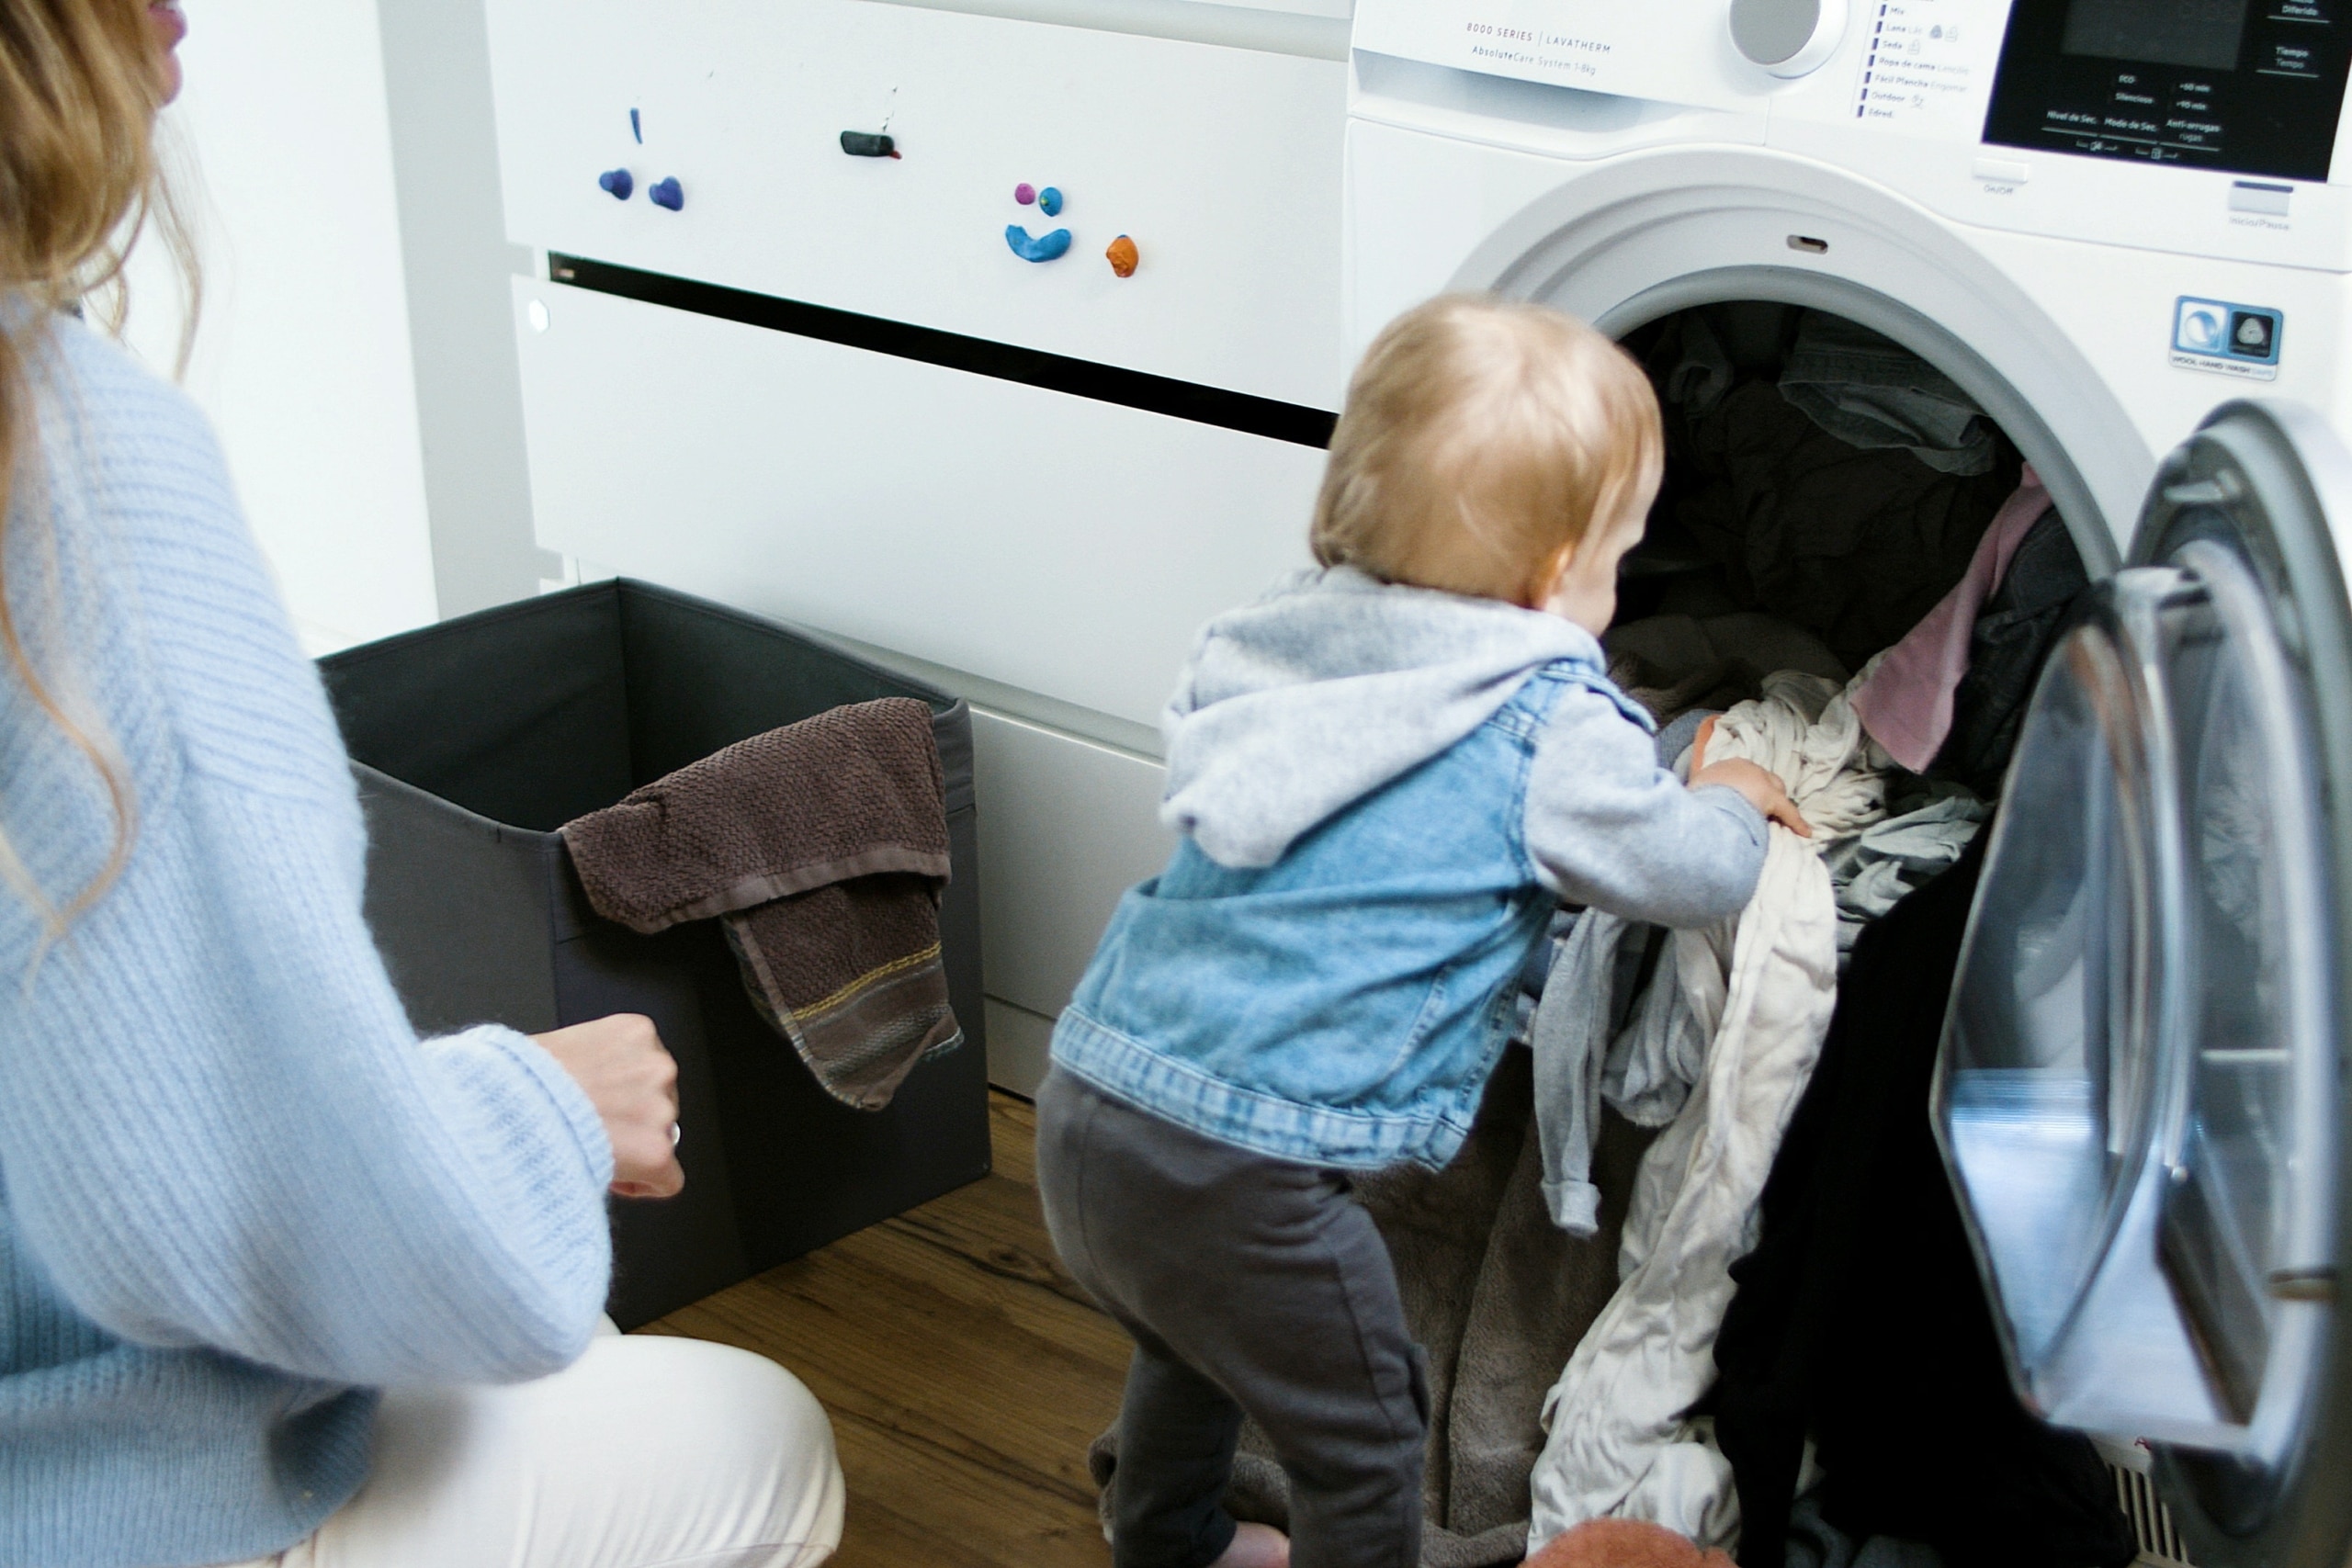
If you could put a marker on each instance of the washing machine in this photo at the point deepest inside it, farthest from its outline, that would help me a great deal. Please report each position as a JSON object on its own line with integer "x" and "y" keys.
{"x": 2122, "y": 229}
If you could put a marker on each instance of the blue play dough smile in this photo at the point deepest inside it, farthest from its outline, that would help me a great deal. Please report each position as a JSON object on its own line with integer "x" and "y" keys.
{"x": 1044, "y": 248}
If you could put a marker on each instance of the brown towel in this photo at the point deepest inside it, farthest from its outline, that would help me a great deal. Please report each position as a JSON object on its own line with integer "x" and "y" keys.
{"x": 824, "y": 848}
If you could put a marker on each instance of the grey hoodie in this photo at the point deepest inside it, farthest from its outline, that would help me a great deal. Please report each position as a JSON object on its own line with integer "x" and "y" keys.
{"x": 1335, "y": 683}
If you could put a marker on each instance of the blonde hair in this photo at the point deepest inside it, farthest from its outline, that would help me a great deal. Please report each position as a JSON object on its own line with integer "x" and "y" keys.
{"x": 1481, "y": 438}
{"x": 80, "y": 84}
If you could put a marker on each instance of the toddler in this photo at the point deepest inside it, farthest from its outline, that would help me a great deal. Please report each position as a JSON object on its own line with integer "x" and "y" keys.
{"x": 1384, "y": 775}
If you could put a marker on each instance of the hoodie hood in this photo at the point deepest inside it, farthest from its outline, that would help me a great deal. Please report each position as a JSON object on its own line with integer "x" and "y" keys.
{"x": 1298, "y": 706}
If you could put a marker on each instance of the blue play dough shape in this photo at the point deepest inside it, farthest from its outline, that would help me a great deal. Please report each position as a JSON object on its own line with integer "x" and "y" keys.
{"x": 1044, "y": 248}
{"x": 636, "y": 128}
{"x": 668, "y": 193}
{"x": 1049, "y": 201}
{"x": 620, "y": 182}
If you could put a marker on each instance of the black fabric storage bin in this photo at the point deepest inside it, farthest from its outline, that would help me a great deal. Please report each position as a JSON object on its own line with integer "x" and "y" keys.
{"x": 475, "y": 739}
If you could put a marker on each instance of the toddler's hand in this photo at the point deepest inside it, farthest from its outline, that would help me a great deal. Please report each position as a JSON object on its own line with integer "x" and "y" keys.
{"x": 1761, "y": 788}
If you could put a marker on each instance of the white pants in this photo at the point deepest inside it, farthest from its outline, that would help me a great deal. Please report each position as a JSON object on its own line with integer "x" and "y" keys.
{"x": 644, "y": 1453}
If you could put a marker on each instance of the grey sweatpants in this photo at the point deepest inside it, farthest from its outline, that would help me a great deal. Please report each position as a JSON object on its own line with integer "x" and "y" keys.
{"x": 1250, "y": 1284}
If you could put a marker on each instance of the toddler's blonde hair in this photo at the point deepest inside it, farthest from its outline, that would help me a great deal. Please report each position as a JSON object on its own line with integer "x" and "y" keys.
{"x": 1481, "y": 437}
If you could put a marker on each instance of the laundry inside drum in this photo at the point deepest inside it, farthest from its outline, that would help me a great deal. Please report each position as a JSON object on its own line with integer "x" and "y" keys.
{"x": 1829, "y": 494}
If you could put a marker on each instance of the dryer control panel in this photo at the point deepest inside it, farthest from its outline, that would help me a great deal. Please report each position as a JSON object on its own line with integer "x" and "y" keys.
{"x": 2245, "y": 86}
{"x": 2208, "y": 128}
{"x": 1719, "y": 54}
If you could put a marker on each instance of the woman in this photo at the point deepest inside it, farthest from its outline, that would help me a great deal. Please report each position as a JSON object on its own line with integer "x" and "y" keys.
{"x": 274, "y": 1275}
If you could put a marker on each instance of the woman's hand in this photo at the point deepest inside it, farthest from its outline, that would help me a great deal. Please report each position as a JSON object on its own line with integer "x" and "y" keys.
{"x": 1762, "y": 788}
{"x": 631, "y": 1079}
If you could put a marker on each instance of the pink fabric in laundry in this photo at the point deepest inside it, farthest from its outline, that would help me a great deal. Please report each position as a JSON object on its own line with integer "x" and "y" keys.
{"x": 1906, "y": 702}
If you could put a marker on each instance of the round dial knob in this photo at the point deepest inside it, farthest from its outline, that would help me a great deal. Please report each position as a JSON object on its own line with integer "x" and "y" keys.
{"x": 1788, "y": 37}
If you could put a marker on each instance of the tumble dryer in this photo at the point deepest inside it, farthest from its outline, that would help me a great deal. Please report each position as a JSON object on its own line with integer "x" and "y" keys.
{"x": 2122, "y": 231}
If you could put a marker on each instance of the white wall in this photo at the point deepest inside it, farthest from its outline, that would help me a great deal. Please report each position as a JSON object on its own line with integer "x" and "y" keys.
{"x": 303, "y": 359}
{"x": 453, "y": 232}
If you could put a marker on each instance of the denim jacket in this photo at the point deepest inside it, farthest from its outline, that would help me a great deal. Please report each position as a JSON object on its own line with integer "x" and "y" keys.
{"x": 1345, "y": 1005}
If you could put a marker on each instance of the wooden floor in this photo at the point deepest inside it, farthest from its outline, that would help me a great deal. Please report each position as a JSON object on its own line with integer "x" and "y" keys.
{"x": 965, "y": 1373}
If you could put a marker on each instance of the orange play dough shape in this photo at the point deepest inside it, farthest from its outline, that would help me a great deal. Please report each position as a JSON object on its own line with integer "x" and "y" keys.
{"x": 1122, "y": 256}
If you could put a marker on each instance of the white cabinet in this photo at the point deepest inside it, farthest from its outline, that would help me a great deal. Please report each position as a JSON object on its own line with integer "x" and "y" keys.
{"x": 1055, "y": 545}
{"x": 1223, "y": 166}
{"x": 1052, "y": 542}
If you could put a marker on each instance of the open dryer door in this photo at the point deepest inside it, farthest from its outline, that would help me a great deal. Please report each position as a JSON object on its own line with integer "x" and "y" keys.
{"x": 2141, "y": 1095}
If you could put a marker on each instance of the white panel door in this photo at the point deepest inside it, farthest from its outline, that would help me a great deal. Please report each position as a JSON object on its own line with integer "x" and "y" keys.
{"x": 1056, "y": 544}
{"x": 1067, "y": 826}
{"x": 1223, "y": 164}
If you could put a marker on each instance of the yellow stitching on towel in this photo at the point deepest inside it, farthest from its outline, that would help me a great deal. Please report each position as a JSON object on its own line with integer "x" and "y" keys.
{"x": 896, "y": 966}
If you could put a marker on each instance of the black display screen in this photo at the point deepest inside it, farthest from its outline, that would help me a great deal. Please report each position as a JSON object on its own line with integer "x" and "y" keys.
{"x": 2251, "y": 86}
{"x": 2203, "y": 33}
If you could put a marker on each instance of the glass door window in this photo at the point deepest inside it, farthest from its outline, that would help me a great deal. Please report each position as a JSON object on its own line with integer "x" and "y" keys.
{"x": 2240, "y": 1232}
{"x": 2137, "y": 1094}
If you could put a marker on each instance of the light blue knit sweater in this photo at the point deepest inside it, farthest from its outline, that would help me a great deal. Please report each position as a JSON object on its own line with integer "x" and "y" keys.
{"x": 236, "y": 1193}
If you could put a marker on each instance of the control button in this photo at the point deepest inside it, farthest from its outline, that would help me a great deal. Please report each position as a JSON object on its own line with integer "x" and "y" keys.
{"x": 1788, "y": 37}
{"x": 2216, "y": 334}
{"x": 2200, "y": 327}
{"x": 2000, "y": 171}
{"x": 2259, "y": 195}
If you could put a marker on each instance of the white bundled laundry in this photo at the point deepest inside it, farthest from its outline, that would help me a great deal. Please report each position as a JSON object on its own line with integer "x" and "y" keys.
{"x": 1643, "y": 1058}
{"x": 1730, "y": 1028}
{"x": 1804, "y": 730}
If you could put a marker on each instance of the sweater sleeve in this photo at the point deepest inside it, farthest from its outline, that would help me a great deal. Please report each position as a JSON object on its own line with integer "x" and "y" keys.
{"x": 1606, "y": 826}
{"x": 217, "y": 1126}
{"x": 218, "y": 1131}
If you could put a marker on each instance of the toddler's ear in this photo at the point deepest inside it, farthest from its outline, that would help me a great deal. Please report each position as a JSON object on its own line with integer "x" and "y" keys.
{"x": 1546, "y": 584}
